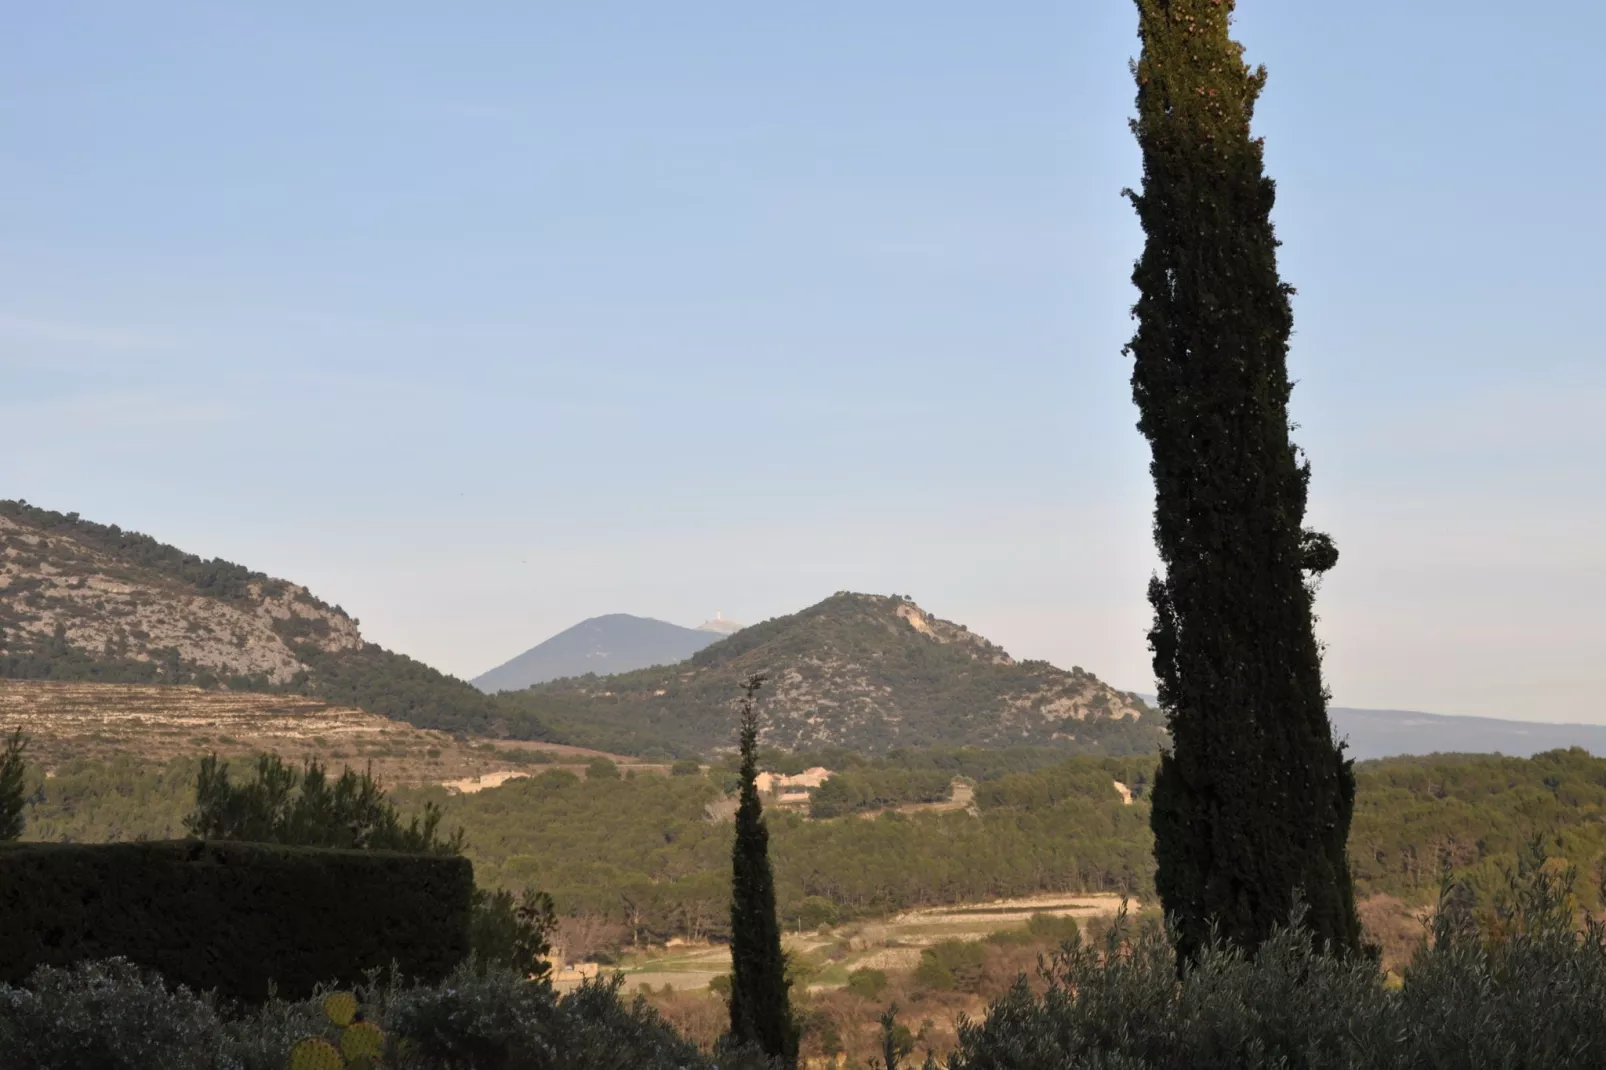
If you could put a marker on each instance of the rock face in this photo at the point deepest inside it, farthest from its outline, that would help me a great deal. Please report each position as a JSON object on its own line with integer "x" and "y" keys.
{"x": 869, "y": 672}
{"x": 88, "y": 602}
{"x": 69, "y": 586}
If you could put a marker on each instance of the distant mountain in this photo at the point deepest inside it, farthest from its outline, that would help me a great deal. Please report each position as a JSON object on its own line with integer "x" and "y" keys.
{"x": 81, "y": 601}
{"x": 614, "y": 643}
{"x": 862, "y": 671}
{"x": 1384, "y": 733}
{"x": 1370, "y": 734}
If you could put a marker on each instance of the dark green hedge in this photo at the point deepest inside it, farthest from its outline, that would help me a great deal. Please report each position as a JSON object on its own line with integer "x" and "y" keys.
{"x": 233, "y": 916}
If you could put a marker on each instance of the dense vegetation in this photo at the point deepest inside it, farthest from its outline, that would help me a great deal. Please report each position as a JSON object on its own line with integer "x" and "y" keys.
{"x": 641, "y": 852}
{"x": 877, "y": 789}
{"x": 214, "y": 578}
{"x": 110, "y": 1016}
{"x": 1252, "y": 805}
{"x": 13, "y": 770}
{"x": 1509, "y": 981}
{"x": 885, "y": 682}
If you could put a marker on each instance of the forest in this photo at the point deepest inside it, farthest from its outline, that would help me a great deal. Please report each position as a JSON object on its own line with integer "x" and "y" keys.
{"x": 643, "y": 854}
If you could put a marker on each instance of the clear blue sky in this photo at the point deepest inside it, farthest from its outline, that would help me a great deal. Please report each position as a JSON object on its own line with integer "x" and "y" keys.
{"x": 483, "y": 318}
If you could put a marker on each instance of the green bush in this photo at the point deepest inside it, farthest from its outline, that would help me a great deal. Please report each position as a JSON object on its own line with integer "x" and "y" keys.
{"x": 951, "y": 965}
{"x": 11, "y": 786}
{"x": 601, "y": 769}
{"x": 235, "y": 917}
{"x": 867, "y": 983}
{"x": 685, "y": 767}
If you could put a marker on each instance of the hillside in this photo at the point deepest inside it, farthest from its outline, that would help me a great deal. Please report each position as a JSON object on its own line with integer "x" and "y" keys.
{"x": 866, "y": 672}
{"x": 81, "y": 601}
{"x": 615, "y": 643}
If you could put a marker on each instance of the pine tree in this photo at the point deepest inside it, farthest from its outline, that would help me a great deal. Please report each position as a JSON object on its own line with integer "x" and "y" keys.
{"x": 1251, "y": 809}
{"x": 760, "y": 1005}
{"x": 12, "y": 802}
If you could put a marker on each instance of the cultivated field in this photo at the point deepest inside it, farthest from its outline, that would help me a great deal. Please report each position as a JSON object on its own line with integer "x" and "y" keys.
{"x": 65, "y": 721}
{"x": 890, "y": 944}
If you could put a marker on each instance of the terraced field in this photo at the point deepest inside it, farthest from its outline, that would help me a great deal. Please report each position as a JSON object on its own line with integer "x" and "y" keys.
{"x": 65, "y": 721}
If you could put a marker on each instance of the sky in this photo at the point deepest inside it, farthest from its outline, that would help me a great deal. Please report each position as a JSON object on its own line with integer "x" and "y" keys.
{"x": 482, "y": 319}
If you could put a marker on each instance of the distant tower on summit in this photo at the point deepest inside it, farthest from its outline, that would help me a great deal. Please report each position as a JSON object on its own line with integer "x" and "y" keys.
{"x": 720, "y": 625}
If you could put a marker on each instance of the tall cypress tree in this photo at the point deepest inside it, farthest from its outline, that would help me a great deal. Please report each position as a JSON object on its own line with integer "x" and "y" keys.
{"x": 1251, "y": 809}
{"x": 761, "y": 1010}
{"x": 12, "y": 770}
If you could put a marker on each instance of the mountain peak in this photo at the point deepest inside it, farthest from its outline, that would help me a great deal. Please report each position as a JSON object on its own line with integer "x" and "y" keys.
{"x": 864, "y": 671}
{"x": 719, "y": 625}
{"x": 613, "y": 643}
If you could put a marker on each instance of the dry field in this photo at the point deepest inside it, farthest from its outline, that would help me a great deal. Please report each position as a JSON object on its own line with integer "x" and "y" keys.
{"x": 890, "y": 944}
{"x": 65, "y": 721}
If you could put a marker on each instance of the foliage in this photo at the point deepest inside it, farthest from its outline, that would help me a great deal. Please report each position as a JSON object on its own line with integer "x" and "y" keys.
{"x": 760, "y": 1003}
{"x": 867, "y": 983}
{"x": 951, "y": 964}
{"x": 283, "y": 806}
{"x": 643, "y": 856}
{"x": 1254, "y": 801}
{"x": 513, "y": 932}
{"x": 686, "y": 767}
{"x": 12, "y": 802}
{"x": 875, "y": 789}
{"x": 903, "y": 686}
{"x": 601, "y": 769}
{"x": 237, "y": 918}
{"x": 1528, "y": 991}
{"x": 112, "y": 1016}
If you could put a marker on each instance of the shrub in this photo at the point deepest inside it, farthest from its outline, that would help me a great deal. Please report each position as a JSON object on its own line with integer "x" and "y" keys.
{"x": 867, "y": 983}
{"x": 112, "y": 1016}
{"x": 513, "y": 933}
{"x": 232, "y": 916}
{"x": 601, "y": 769}
{"x": 1523, "y": 989}
{"x": 11, "y": 790}
{"x": 951, "y": 965}
{"x": 685, "y": 767}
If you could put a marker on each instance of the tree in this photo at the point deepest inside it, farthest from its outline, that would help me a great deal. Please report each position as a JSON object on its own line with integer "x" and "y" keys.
{"x": 11, "y": 797}
{"x": 1251, "y": 808}
{"x": 760, "y": 1004}
{"x": 285, "y": 806}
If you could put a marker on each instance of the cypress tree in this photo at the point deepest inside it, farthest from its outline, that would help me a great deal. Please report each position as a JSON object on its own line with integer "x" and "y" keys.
{"x": 1251, "y": 808}
{"x": 12, "y": 769}
{"x": 760, "y": 1006}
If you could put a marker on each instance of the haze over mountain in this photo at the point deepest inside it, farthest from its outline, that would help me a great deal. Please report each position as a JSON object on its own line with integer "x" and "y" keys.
{"x": 614, "y": 643}
{"x": 867, "y": 672}
{"x": 1370, "y": 734}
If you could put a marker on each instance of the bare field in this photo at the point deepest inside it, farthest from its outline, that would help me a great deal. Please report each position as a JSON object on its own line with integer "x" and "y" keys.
{"x": 66, "y": 721}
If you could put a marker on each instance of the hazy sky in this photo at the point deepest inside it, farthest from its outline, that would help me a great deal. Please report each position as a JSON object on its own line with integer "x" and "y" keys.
{"x": 480, "y": 319}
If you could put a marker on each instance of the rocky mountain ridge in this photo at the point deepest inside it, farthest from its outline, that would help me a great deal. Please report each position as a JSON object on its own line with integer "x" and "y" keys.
{"x": 868, "y": 672}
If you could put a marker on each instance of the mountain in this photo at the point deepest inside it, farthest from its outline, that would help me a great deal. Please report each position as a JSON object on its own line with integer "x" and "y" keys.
{"x": 1384, "y": 733}
{"x": 81, "y": 601}
{"x": 1371, "y": 734}
{"x": 614, "y": 643}
{"x": 862, "y": 671}
{"x": 720, "y": 625}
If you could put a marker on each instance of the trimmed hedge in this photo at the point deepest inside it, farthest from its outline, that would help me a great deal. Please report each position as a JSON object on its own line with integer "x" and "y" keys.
{"x": 233, "y": 917}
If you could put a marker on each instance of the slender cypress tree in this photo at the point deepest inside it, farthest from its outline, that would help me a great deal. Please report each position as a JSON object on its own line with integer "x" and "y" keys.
{"x": 761, "y": 1010}
{"x": 1251, "y": 809}
{"x": 12, "y": 802}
